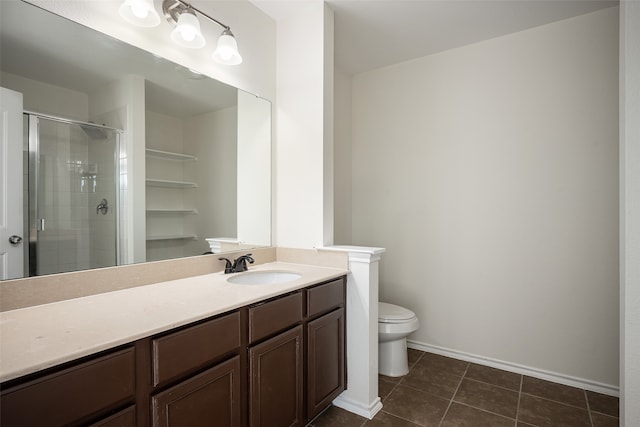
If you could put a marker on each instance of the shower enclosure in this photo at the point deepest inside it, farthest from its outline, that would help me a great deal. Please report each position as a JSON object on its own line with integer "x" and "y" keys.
{"x": 72, "y": 195}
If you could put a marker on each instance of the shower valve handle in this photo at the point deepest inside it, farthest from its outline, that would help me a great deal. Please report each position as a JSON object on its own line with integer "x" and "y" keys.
{"x": 103, "y": 207}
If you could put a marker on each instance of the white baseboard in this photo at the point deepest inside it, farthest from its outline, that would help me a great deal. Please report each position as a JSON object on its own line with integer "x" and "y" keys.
{"x": 519, "y": 369}
{"x": 358, "y": 408}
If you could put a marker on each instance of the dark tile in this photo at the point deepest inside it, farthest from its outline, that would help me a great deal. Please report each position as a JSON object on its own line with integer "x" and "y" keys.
{"x": 461, "y": 415}
{"x": 382, "y": 419}
{"x": 609, "y": 405}
{"x": 521, "y": 424}
{"x": 337, "y": 417}
{"x": 542, "y": 412}
{"x": 601, "y": 420}
{"x": 488, "y": 397}
{"x": 415, "y": 406}
{"x": 554, "y": 391}
{"x": 432, "y": 381}
{"x": 394, "y": 380}
{"x": 444, "y": 364}
{"x": 413, "y": 356}
{"x": 494, "y": 376}
{"x": 384, "y": 388}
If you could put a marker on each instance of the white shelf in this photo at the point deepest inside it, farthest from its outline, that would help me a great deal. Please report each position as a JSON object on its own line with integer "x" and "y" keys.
{"x": 172, "y": 211}
{"x": 167, "y": 155}
{"x": 170, "y": 184}
{"x": 172, "y": 237}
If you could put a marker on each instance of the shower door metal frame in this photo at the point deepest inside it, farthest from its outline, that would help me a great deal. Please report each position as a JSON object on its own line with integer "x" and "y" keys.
{"x": 34, "y": 155}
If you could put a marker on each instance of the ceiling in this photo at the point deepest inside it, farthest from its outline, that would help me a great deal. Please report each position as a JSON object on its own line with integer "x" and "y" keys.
{"x": 371, "y": 34}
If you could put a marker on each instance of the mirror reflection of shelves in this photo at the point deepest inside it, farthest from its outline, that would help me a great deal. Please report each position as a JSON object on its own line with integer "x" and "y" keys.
{"x": 170, "y": 203}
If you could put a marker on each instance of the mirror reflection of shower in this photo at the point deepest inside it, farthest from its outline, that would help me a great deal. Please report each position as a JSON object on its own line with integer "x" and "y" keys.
{"x": 73, "y": 195}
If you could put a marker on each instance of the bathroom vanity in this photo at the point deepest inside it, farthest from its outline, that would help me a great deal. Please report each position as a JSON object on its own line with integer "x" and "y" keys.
{"x": 195, "y": 351}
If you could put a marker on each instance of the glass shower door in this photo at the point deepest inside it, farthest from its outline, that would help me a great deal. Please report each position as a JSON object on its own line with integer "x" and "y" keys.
{"x": 73, "y": 188}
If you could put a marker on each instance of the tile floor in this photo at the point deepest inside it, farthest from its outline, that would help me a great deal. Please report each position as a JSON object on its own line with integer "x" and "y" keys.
{"x": 439, "y": 391}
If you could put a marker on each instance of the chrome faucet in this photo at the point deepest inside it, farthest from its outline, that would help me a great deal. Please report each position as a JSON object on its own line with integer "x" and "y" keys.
{"x": 239, "y": 264}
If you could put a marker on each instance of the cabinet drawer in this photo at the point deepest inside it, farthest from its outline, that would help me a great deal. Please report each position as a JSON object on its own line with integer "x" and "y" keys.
{"x": 323, "y": 298}
{"x": 72, "y": 394}
{"x": 274, "y": 316}
{"x": 194, "y": 347}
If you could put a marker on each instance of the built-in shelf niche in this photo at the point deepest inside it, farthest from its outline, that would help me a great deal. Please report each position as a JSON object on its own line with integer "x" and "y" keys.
{"x": 164, "y": 216}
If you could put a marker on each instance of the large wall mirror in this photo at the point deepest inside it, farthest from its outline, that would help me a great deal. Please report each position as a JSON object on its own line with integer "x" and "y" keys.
{"x": 127, "y": 157}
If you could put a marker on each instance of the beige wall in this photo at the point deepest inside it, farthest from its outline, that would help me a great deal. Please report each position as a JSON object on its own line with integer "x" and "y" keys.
{"x": 490, "y": 174}
{"x": 342, "y": 158}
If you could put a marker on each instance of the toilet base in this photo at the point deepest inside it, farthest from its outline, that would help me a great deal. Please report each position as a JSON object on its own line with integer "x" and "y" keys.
{"x": 392, "y": 358}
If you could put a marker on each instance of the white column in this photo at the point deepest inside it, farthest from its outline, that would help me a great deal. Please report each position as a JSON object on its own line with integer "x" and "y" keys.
{"x": 361, "y": 396}
{"x": 630, "y": 214}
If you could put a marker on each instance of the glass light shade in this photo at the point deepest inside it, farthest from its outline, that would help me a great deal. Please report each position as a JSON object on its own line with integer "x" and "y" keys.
{"x": 139, "y": 12}
{"x": 187, "y": 32}
{"x": 227, "y": 50}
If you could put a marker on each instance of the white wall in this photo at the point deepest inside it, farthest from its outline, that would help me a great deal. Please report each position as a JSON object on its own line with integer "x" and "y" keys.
{"x": 301, "y": 136}
{"x": 489, "y": 173}
{"x": 630, "y": 212}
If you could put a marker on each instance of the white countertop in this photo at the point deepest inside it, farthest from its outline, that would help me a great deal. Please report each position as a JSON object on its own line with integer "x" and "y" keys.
{"x": 35, "y": 338}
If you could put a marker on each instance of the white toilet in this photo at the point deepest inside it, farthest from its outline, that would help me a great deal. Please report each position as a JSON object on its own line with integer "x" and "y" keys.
{"x": 394, "y": 324}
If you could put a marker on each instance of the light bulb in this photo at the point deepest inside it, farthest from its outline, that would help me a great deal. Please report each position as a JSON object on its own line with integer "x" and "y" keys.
{"x": 225, "y": 53}
{"x": 188, "y": 34}
{"x": 139, "y": 10}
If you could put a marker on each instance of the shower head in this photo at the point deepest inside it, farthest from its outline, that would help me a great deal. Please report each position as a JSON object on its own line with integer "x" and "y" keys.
{"x": 94, "y": 132}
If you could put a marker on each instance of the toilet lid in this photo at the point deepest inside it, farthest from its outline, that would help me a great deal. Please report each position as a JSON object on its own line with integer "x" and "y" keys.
{"x": 390, "y": 313}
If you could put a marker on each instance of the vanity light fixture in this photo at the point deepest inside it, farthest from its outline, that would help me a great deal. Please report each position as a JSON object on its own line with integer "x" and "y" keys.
{"x": 187, "y": 32}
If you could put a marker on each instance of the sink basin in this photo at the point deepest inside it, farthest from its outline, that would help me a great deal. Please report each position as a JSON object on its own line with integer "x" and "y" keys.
{"x": 264, "y": 277}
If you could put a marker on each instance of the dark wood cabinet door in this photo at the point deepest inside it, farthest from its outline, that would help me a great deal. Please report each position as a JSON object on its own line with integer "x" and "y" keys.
{"x": 276, "y": 370}
{"x": 325, "y": 361}
{"x": 211, "y": 398}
